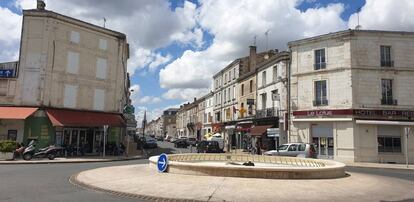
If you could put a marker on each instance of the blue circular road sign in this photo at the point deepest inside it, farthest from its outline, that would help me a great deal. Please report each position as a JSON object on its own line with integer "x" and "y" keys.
{"x": 162, "y": 162}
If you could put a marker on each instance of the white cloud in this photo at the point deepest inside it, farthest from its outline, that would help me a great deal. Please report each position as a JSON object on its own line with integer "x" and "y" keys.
{"x": 148, "y": 24}
{"x": 185, "y": 94}
{"x": 151, "y": 114}
{"x": 149, "y": 100}
{"x": 233, "y": 25}
{"x": 385, "y": 15}
{"x": 9, "y": 35}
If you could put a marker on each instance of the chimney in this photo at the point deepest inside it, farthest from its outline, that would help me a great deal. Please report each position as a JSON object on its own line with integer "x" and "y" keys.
{"x": 195, "y": 99}
{"x": 41, "y": 5}
{"x": 252, "y": 58}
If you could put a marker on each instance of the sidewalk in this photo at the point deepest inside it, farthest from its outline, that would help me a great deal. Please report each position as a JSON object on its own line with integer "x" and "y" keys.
{"x": 381, "y": 166}
{"x": 84, "y": 159}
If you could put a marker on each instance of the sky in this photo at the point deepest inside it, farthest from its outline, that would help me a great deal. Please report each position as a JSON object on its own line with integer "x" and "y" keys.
{"x": 178, "y": 45}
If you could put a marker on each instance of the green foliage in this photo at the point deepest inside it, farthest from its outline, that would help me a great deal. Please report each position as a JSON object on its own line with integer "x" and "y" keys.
{"x": 7, "y": 145}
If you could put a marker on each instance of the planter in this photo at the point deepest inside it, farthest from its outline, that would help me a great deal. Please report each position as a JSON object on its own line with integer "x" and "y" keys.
{"x": 6, "y": 156}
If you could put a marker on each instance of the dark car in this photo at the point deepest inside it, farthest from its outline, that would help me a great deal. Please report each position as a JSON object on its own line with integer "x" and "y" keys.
{"x": 183, "y": 143}
{"x": 208, "y": 147}
{"x": 150, "y": 142}
{"x": 160, "y": 138}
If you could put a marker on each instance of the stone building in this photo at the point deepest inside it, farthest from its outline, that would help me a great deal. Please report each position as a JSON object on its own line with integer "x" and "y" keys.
{"x": 169, "y": 122}
{"x": 71, "y": 79}
{"x": 272, "y": 83}
{"x": 351, "y": 95}
{"x": 208, "y": 114}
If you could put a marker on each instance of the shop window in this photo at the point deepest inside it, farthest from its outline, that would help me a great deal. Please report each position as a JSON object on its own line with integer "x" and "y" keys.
{"x": 12, "y": 135}
{"x": 389, "y": 144}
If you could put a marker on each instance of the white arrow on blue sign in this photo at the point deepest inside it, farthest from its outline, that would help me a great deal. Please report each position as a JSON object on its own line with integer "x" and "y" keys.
{"x": 162, "y": 162}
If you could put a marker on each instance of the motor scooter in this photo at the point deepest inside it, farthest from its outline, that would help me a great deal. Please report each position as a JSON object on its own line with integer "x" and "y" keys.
{"x": 47, "y": 152}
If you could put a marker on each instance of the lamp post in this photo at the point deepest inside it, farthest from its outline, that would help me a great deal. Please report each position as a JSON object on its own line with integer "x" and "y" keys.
{"x": 104, "y": 139}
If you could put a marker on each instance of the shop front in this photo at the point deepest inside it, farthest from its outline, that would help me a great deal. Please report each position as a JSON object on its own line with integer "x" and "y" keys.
{"x": 242, "y": 138}
{"x": 82, "y": 133}
{"x": 260, "y": 142}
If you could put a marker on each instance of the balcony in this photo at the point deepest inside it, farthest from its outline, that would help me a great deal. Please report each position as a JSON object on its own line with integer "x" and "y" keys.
{"x": 320, "y": 102}
{"x": 266, "y": 113}
{"x": 389, "y": 101}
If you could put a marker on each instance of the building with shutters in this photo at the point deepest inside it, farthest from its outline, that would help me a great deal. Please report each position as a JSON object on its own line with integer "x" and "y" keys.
{"x": 351, "y": 94}
{"x": 70, "y": 81}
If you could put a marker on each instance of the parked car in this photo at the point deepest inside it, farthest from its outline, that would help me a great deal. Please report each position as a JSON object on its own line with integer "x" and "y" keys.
{"x": 304, "y": 150}
{"x": 218, "y": 138}
{"x": 182, "y": 142}
{"x": 173, "y": 139}
{"x": 192, "y": 141}
{"x": 208, "y": 147}
{"x": 168, "y": 138}
{"x": 150, "y": 142}
{"x": 160, "y": 138}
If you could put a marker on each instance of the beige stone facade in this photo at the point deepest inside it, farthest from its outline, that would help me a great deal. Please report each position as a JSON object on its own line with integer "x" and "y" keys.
{"x": 67, "y": 63}
{"x": 354, "y": 102}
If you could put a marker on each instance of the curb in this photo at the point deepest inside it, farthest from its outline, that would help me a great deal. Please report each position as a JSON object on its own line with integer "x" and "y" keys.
{"x": 63, "y": 162}
{"x": 379, "y": 168}
{"x": 74, "y": 181}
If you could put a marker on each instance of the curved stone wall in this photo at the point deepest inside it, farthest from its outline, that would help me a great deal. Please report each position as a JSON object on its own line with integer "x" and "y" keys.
{"x": 230, "y": 165}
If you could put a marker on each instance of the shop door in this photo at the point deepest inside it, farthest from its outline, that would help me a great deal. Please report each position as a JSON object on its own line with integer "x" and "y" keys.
{"x": 322, "y": 137}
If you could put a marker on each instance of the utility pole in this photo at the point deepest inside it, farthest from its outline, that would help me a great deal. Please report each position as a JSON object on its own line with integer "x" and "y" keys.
{"x": 267, "y": 38}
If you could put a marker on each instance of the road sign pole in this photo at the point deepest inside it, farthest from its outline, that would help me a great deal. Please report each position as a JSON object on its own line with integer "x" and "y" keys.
{"x": 104, "y": 139}
{"x": 407, "y": 131}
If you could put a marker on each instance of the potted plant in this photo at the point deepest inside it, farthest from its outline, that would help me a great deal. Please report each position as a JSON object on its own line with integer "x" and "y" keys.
{"x": 7, "y": 148}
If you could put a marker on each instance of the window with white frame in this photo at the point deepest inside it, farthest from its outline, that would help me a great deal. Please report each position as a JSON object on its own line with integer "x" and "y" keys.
{"x": 234, "y": 73}
{"x": 103, "y": 44}
{"x": 389, "y": 138}
{"x": 274, "y": 73}
{"x": 101, "y": 68}
{"x": 74, "y": 37}
{"x": 386, "y": 56}
{"x": 228, "y": 94}
{"x": 263, "y": 78}
{"x": 72, "y": 65}
{"x": 70, "y": 96}
{"x": 320, "y": 62}
{"x": 387, "y": 95}
{"x": 320, "y": 93}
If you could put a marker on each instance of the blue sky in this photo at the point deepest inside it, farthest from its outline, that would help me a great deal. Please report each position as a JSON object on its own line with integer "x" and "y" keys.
{"x": 177, "y": 45}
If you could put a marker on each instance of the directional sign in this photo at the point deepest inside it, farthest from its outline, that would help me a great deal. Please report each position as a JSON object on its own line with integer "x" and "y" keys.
{"x": 162, "y": 163}
{"x": 6, "y": 73}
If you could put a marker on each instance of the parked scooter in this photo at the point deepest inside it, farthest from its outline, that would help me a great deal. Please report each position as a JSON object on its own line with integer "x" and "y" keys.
{"x": 47, "y": 152}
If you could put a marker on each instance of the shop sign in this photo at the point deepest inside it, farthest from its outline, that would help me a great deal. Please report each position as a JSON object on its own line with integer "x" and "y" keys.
{"x": 355, "y": 112}
{"x": 362, "y": 112}
{"x": 273, "y": 132}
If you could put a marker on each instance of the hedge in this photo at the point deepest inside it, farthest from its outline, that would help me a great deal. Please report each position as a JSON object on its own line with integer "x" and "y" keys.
{"x": 7, "y": 145}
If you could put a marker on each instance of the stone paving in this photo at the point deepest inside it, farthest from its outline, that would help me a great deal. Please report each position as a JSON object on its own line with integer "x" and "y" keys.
{"x": 145, "y": 181}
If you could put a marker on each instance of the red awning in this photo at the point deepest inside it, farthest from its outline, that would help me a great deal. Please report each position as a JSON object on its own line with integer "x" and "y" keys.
{"x": 16, "y": 112}
{"x": 83, "y": 118}
{"x": 259, "y": 130}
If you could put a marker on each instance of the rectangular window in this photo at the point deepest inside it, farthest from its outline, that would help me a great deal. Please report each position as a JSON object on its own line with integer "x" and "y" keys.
{"x": 101, "y": 68}
{"x": 234, "y": 92}
{"x": 225, "y": 78}
{"x": 74, "y": 37}
{"x": 387, "y": 97}
{"x": 251, "y": 86}
{"x": 319, "y": 59}
{"x": 389, "y": 144}
{"x": 234, "y": 73}
{"x": 274, "y": 73}
{"x": 70, "y": 96}
{"x": 386, "y": 57}
{"x": 264, "y": 97}
{"x": 99, "y": 99}
{"x": 224, "y": 96}
{"x": 242, "y": 90}
{"x": 320, "y": 93}
{"x": 264, "y": 78}
{"x": 228, "y": 94}
{"x": 72, "y": 65}
{"x": 103, "y": 44}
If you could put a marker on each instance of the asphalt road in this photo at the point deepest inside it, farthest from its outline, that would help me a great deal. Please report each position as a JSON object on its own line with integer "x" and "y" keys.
{"x": 49, "y": 182}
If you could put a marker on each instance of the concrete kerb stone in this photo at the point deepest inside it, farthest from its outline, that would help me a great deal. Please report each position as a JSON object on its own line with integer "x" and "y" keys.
{"x": 69, "y": 161}
{"x": 73, "y": 180}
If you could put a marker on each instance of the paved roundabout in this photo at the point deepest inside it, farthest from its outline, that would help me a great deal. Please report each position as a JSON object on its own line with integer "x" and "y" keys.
{"x": 145, "y": 182}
